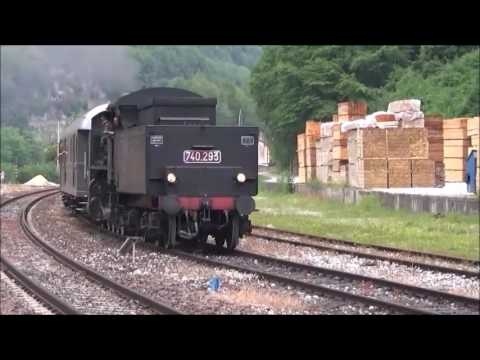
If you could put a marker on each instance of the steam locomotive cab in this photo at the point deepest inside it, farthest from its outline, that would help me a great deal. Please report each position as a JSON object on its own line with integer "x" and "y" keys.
{"x": 160, "y": 168}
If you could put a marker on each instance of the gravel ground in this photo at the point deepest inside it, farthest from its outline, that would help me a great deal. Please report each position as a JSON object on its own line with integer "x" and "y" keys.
{"x": 73, "y": 287}
{"x": 182, "y": 282}
{"x": 358, "y": 287}
{"x": 9, "y": 190}
{"x": 452, "y": 283}
{"x": 369, "y": 250}
{"x": 15, "y": 301}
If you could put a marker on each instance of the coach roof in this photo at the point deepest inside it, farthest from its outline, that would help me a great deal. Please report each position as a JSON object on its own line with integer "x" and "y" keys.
{"x": 85, "y": 122}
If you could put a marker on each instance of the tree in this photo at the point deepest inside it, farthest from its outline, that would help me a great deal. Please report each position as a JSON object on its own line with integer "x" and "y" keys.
{"x": 17, "y": 148}
{"x": 291, "y": 84}
{"x": 23, "y": 156}
{"x": 215, "y": 71}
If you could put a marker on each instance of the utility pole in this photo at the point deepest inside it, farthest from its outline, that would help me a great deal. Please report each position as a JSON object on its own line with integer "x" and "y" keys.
{"x": 58, "y": 146}
{"x": 240, "y": 117}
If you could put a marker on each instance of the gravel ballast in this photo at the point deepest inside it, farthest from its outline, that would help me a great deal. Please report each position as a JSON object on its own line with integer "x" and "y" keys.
{"x": 181, "y": 282}
{"x": 452, "y": 283}
{"x": 72, "y": 287}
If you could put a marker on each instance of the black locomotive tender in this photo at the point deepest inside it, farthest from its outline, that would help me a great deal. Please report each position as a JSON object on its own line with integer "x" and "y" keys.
{"x": 155, "y": 164}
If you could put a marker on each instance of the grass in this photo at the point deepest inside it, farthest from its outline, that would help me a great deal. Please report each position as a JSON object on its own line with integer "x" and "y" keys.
{"x": 370, "y": 223}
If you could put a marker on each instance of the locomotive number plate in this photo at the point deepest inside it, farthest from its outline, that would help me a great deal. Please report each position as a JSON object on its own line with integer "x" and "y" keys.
{"x": 202, "y": 156}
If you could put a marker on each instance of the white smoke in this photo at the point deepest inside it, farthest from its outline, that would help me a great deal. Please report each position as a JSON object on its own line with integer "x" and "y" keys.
{"x": 56, "y": 79}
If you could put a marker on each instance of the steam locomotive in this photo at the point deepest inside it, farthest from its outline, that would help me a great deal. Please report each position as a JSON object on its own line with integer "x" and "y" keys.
{"x": 155, "y": 164}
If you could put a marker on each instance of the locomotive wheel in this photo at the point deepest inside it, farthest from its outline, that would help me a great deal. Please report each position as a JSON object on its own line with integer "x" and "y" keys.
{"x": 201, "y": 239}
{"x": 149, "y": 235}
{"x": 172, "y": 232}
{"x": 219, "y": 239}
{"x": 233, "y": 238}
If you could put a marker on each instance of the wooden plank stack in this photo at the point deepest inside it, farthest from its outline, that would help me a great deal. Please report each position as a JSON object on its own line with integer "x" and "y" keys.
{"x": 456, "y": 143}
{"x": 424, "y": 173}
{"x": 434, "y": 126}
{"x": 351, "y": 110}
{"x": 423, "y": 155}
{"x": 473, "y": 132}
{"x": 407, "y": 149}
{"x": 399, "y": 173}
{"x": 367, "y": 161}
{"x": 404, "y": 143}
{"x": 339, "y": 164}
{"x": 372, "y": 173}
{"x": 302, "y": 175}
{"x": 389, "y": 158}
{"x": 306, "y": 151}
{"x": 324, "y": 157}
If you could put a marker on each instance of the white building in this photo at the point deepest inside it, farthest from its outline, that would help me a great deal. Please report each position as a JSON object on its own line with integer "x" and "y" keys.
{"x": 263, "y": 151}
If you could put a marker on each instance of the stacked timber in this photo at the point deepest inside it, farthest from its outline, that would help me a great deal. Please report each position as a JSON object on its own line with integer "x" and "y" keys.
{"x": 434, "y": 126}
{"x": 367, "y": 161}
{"x": 306, "y": 151}
{"x": 424, "y": 173}
{"x": 405, "y": 146}
{"x": 302, "y": 174}
{"x": 473, "y": 132}
{"x": 395, "y": 157}
{"x": 339, "y": 158}
{"x": 324, "y": 154}
{"x": 350, "y": 110}
{"x": 339, "y": 166}
{"x": 456, "y": 144}
{"x": 399, "y": 173}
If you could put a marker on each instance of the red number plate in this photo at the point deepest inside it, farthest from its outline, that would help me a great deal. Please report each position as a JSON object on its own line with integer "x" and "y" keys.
{"x": 202, "y": 156}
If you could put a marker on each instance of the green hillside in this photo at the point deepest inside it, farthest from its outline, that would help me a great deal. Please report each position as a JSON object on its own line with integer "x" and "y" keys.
{"x": 291, "y": 84}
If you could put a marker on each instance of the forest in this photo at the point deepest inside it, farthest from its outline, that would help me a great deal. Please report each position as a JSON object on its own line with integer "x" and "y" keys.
{"x": 291, "y": 84}
{"x": 43, "y": 84}
{"x": 275, "y": 87}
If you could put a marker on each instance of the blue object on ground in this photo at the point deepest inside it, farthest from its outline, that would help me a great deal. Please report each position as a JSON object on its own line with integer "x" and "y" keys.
{"x": 471, "y": 171}
{"x": 214, "y": 284}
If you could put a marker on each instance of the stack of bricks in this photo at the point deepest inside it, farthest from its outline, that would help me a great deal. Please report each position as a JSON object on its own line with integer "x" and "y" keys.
{"x": 306, "y": 151}
{"x": 347, "y": 111}
{"x": 473, "y": 131}
{"x": 456, "y": 144}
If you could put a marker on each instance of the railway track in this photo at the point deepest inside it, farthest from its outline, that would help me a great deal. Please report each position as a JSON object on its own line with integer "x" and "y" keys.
{"x": 92, "y": 292}
{"x": 435, "y": 296}
{"x": 406, "y": 257}
{"x": 34, "y": 289}
{"x": 31, "y": 287}
{"x": 391, "y": 295}
{"x": 384, "y": 294}
{"x": 336, "y": 293}
{"x": 408, "y": 299}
